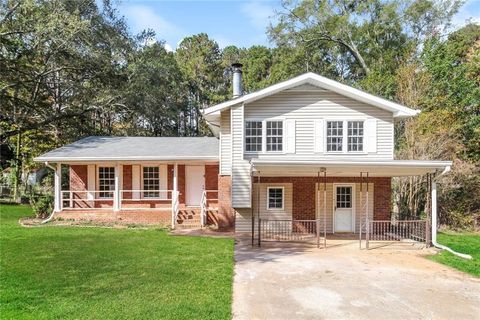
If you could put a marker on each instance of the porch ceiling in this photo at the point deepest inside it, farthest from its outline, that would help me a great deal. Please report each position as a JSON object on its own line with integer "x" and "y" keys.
{"x": 344, "y": 168}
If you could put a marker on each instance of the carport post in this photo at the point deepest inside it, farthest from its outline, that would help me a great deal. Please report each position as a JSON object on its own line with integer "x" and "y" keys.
{"x": 317, "y": 218}
{"x": 325, "y": 209}
{"x": 361, "y": 207}
{"x": 367, "y": 235}
{"x": 252, "y": 211}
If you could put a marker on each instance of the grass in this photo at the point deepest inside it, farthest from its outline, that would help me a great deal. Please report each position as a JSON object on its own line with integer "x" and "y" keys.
{"x": 99, "y": 273}
{"x": 461, "y": 242}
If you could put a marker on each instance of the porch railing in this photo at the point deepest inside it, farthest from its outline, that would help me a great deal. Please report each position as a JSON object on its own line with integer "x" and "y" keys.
{"x": 82, "y": 199}
{"x": 386, "y": 230}
{"x": 142, "y": 195}
{"x": 288, "y": 230}
{"x": 204, "y": 205}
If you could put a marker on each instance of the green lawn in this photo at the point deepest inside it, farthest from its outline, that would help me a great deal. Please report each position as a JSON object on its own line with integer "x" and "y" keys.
{"x": 99, "y": 273}
{"x": 461, "y": 242}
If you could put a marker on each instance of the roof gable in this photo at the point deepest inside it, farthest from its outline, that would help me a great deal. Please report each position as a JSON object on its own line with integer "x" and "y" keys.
{"x": 310, "y": 80}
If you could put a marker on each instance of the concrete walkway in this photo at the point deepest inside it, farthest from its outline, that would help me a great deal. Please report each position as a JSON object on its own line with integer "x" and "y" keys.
{"x": 295, "y": 281}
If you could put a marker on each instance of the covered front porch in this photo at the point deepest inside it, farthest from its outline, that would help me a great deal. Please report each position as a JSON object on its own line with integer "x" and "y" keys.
{"x": 175, "y": 194}
{"x": 324, "y": 200}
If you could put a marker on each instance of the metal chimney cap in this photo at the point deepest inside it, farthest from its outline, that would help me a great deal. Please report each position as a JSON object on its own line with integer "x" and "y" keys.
{"x": 237, "y": 66}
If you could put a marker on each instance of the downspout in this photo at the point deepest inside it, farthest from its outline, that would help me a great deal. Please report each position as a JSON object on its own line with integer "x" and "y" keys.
{"x": 434, "y": 219}
{"x": 50, "y": 217}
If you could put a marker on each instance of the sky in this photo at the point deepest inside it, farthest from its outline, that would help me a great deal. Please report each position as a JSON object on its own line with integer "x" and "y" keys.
{"x": 229, "y": 22}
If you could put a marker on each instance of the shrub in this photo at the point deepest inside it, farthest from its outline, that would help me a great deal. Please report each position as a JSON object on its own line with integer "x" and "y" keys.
{"x": 42, "y": 205}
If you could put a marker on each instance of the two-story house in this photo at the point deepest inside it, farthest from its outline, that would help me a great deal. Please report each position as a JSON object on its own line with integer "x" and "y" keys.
{"x": 307, "y": 149}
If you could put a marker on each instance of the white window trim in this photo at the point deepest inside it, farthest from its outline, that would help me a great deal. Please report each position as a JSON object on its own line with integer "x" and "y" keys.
{"x": 97, "y": 181}
{"x": 264, "y": 136}
{"x": 142, "y": 193}
{"x": 283, "y": 198}
{"x": 345, "y": 136}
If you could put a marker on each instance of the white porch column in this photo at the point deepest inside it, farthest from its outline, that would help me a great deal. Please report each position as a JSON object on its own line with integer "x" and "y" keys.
{"x": 434, "y": 212}
{"x": 57, "y": 206}
{"x": 116, "y": 193}
{"x": 174, "y": 193}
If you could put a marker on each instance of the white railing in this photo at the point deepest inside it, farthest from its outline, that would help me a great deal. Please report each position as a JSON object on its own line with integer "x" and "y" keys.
{"x": 141, "y": 195}
{"x": 86, "y": 199}
{"x": 70, "y": 198}
{"x": 204, "y": 205}
{"x": 175, "y": 203}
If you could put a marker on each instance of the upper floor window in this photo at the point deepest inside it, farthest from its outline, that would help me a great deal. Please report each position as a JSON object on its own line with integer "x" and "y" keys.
{"x": 274, "y": 135}
{"x": 253, "y": 136}
{"x": 340, "y": 139}
{"x": 106, "y": 181}
{"x": 335, "y": 136}
{"x": 355, "y": 135}
{"x": 151, "y": 182}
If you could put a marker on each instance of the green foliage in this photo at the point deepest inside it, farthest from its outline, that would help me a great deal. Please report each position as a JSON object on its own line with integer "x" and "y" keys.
{"x": 42, "y": 205}
{"x": 104, "y": 273}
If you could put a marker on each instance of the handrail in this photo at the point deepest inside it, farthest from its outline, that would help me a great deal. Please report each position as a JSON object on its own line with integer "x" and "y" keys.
{"x": 175, "y": 197}
{"x": 203, "y": 208}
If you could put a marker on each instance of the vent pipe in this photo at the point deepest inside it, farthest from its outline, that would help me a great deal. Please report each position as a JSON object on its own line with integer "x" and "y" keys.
{"x": 237, "y": 80}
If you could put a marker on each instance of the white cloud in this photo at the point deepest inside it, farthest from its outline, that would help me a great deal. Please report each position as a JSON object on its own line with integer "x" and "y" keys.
{"x": 168, "y": 47}
{"x": 469, "y": 12}
{"x": 142, "y": 17}
{"x": 258, "y": 14}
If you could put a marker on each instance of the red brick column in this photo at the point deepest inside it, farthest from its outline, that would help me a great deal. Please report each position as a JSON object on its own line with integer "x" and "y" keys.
{"x": 79, "y": 182}
{"x": 127, "y": 181}
{"x": 226, "y": 216}
{"x": 303, "y": 198}
{"x": 382, "y": 198}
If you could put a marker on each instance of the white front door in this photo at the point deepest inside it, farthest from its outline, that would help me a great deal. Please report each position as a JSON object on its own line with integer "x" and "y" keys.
{"x": 194, "y": 184}
{"x": 344, "y": 208}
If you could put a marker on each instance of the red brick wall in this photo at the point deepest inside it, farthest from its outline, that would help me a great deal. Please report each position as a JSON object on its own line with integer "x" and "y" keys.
{"x": 78, "y": 177}
{"x": 211, "y": 177}
{"x": 304, "y": 194}
{"x": 226, "y": 216}
{"x": 127, "y": 181}
{"x": 382, "y": 193}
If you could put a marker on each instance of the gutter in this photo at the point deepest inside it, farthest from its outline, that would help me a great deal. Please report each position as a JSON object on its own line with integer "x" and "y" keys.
{"x": 50, "y": 217}
{"x": 434, "y": 225}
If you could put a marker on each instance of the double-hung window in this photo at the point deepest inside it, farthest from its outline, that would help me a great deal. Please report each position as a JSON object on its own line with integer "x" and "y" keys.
{"x": 345, "y": 136}
{"x": 335, "y": 136}
{"x": 274, "y": 135}
{"x": 275, "y": 198}
{"x": 355, "y": 135}
{"x": 151, "y": 182}
{"x": 253, "y": 136}
{"x": 106, "y": 181}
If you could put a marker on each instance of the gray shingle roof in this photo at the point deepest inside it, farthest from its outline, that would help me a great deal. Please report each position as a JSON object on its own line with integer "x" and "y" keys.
{"x": 135, "y": 148}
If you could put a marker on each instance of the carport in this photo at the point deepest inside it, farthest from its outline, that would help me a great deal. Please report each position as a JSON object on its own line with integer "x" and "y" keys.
{"x": 343, "y": 199}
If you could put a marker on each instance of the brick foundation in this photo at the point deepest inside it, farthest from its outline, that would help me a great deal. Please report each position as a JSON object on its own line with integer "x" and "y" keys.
{"x": 226, "y": 216}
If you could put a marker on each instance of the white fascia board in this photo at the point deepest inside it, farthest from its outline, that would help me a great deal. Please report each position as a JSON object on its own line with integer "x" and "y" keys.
{"x": 325, "y": 83}
{"x": 139, "y": 158}
{"x": 345, "y": 163}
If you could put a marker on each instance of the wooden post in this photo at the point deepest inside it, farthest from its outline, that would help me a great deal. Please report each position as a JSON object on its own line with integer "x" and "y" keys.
{"x": 174, "y": 193}
{"x": 317, "y": 216}
{"x": 58, "y": 188}
{"x": 252, "y": 211}
{"x": 325, "y": 209}
{"x": 434, "y": 211}
{"x": 116, "y": 193}
{"x": 367, "y": 235}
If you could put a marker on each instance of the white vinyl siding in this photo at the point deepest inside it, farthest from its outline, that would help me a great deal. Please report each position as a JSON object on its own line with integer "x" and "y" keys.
{"x": 243, "y": 217}
{"x": 225, "y": 143}
{"x": 240, "y": 166}
{"x": 310, "y": 109}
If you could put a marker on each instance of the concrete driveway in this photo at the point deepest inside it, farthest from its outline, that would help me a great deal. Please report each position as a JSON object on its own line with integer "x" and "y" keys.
{"x": 294, "y": 281}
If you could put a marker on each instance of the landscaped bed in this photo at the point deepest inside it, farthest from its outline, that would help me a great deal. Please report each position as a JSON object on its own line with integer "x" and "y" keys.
{"x": 461, "y": 242}
{"x": 106, "y": 273}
